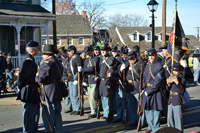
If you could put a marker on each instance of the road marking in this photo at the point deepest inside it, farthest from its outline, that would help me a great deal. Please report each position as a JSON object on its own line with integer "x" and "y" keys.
{"x": 191, "y": 112}
{"x": 98, "y": 128}
{"x": 113, "y": 129}
{"x": 192, "y": 108}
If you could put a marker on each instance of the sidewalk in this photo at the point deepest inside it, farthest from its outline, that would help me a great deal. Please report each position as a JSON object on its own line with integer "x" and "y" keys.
{"x": 10, "y": 99}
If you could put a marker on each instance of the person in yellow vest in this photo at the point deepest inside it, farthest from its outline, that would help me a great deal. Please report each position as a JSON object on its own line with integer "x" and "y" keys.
{"x": 190, "y": 63}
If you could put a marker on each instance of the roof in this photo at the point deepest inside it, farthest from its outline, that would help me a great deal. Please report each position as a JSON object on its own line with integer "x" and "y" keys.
{"x": 70, "y": 25}
{"x": 144, "y": 45}
{"x": 23, "y": 10}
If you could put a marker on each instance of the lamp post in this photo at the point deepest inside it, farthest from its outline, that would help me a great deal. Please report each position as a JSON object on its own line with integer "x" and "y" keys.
{"x": 152, "y": 5}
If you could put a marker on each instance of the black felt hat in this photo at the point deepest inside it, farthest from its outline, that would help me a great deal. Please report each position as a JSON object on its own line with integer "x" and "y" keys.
{"x": 136, "y": 48}
{"x": 105, "y": 46}
{"x": 87, "y": 49}
{"x": 111, "y": 61}
{"x": 49, "y": 49}
{"x": 177, "y": 67}
{"x": 114, "y": 48}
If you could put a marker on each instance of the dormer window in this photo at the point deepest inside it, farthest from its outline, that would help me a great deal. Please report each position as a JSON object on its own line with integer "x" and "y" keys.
{"x": 148, "y": 36}
{"x": 134, "y": 36}
{"x": 160, "y": 37}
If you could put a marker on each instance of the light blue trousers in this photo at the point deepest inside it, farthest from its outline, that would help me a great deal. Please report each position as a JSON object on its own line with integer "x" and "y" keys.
{"x": 174, "y": 116}
{"x": 55, "y": 118}
{"x": 68, "y": 103}
{"x": 153, "y": 119}
{"x": 9, "y": 78}
{"x": 105, "y": 105}
{"x": 30, "y": 117}
{"x": 196, "y": 76}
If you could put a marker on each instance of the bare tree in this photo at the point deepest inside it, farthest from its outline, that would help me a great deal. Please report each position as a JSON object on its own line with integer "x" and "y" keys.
{"x": 127, "y": 20}
{"x": 65, "y": 7}
{"x": 95, "y": 12}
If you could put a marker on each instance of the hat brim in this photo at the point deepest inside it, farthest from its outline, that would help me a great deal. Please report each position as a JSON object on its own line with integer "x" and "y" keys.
{"x": 48, "y": 52}
{"x": 152, "y": 54}
{"x": 163, "y": 48}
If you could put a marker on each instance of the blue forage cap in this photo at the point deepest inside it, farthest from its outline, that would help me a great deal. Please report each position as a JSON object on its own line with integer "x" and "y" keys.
{"x": 87, "y": 49}
{"x": 114, "y": 48}
{"x": 71, "y": 48}
{"x": 132, "y": 55}
{"x": 105, "y": 46}
{"x": 32, "y": 43}
{"x": 96, "y": 48}
{"x": 151, "y": 51}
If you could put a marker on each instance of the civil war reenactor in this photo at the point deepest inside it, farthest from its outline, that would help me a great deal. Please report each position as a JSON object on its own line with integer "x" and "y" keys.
{"x": 97, "y": 51}
{"x": 132, "y": 73}
{"x": 63, "y": 52}
{"x": 72, "y": 72}
{"x": 49, "y": 74}
{"x": 116, "y": 87}
{"x": 28, "y": 88}
{"x": 176, "y": 87}
{"x": 104, "y": 83}
{"x": 91, "y": 67}
{"x": 136, "y": 49}
{"x": 3, "y": 67}
{"x": 152, "y": 98}
{"x": 166, "y": 63}
{"x": 160, "y": 56}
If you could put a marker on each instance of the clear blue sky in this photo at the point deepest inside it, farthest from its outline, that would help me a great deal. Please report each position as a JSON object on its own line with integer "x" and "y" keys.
{"x": 188, "y": 11}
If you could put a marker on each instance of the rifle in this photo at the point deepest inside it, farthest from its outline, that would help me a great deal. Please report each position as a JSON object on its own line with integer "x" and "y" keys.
{"x": 139, "y": 110}
{"x": 109, "y": 119}
{"x": 80, "y": 89}
{"x": 124, "y": 84}
{"x": 43, "y": 107}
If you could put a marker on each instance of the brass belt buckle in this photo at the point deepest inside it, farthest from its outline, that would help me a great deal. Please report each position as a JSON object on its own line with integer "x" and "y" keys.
{"x": 130, "y": 81}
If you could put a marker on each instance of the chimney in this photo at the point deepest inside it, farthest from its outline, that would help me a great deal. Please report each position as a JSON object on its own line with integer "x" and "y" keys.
{"x": 83, "y": 13}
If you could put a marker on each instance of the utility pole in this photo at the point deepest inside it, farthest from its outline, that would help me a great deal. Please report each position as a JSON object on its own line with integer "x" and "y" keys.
{"x": 164, "y": 23}
{"x": 54, "y": 24}
{"x": 197, "y": 32}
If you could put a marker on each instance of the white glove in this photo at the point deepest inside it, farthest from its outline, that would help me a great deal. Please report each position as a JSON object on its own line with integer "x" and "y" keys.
{"x": 145, "y": 93}
{"x": 17, "y": 90}
{"x": 80, "y": 68}
{"x": 122, "y": 67}
{"x": 66, "y": 83}
{"x": 109, "y": 75}
{"x": 75, "y": 82}
{"x": 108, "y": 87}
{"x": 96, "y": 78}
{"x": 85, "y": 84}
{"x": 141, "y": 92}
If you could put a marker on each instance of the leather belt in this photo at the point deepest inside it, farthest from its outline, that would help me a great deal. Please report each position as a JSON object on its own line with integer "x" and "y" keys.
{"x": 31, "y": 86}
{"x": 174, "y": 93}
{"x": 90, "y": 76}
{"x": 149, "y": 85}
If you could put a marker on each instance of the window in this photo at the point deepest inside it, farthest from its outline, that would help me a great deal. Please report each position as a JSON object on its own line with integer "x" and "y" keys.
{"x": 44, "y": 41}
{"x": 149, "y": 37}
{"x": 69, "y": 41}
{"x": 58, "y": 41}
{"x": 135, "y": 37}
{"x": 81, "y": 41}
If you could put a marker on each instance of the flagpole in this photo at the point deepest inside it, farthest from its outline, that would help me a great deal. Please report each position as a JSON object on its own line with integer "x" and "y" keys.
{"x": 174, "y": 37}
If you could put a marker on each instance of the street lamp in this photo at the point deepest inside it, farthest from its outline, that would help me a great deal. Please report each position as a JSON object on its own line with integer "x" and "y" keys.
{"x": 152, "y": 5}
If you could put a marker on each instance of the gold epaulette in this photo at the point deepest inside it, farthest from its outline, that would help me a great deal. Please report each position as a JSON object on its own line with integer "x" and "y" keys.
{"x": 29, "y": 59}
{"x": 46, "y": 61}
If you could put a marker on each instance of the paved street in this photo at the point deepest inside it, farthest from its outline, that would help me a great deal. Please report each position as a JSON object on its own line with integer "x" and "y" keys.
{"x": 11, "y": 118}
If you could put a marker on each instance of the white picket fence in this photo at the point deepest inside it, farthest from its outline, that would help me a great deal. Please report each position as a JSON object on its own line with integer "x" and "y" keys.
{"x": 16, "y": 64}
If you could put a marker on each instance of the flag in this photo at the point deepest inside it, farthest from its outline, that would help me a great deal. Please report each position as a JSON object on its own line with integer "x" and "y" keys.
{"x": 180, "y": 47}
{"x": 94, "y": 30}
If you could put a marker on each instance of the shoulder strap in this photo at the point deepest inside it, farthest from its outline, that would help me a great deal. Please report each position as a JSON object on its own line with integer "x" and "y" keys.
{"x": 135, "y": 72}
{"x": 57, "y": 67}
{"x": 151, "y": 71}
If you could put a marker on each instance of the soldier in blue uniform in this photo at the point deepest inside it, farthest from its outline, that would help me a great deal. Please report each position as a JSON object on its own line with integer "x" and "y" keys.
{"x": 97, "y": 51}
{"x": 176, "y": 88}
{"x": 136, "y": 49}
{"x": 72, "y": 72}
{"x": 132, "y": 72}
{"x": 160, "y": 56}
{"x": 152, "y": 98}
{"x": 104, "y": 83}
{"x": 90, "y": 64}
{"x": 68, "y": 103}
{"x": 28, "y": 88}
{"x": 49, "y": 74}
